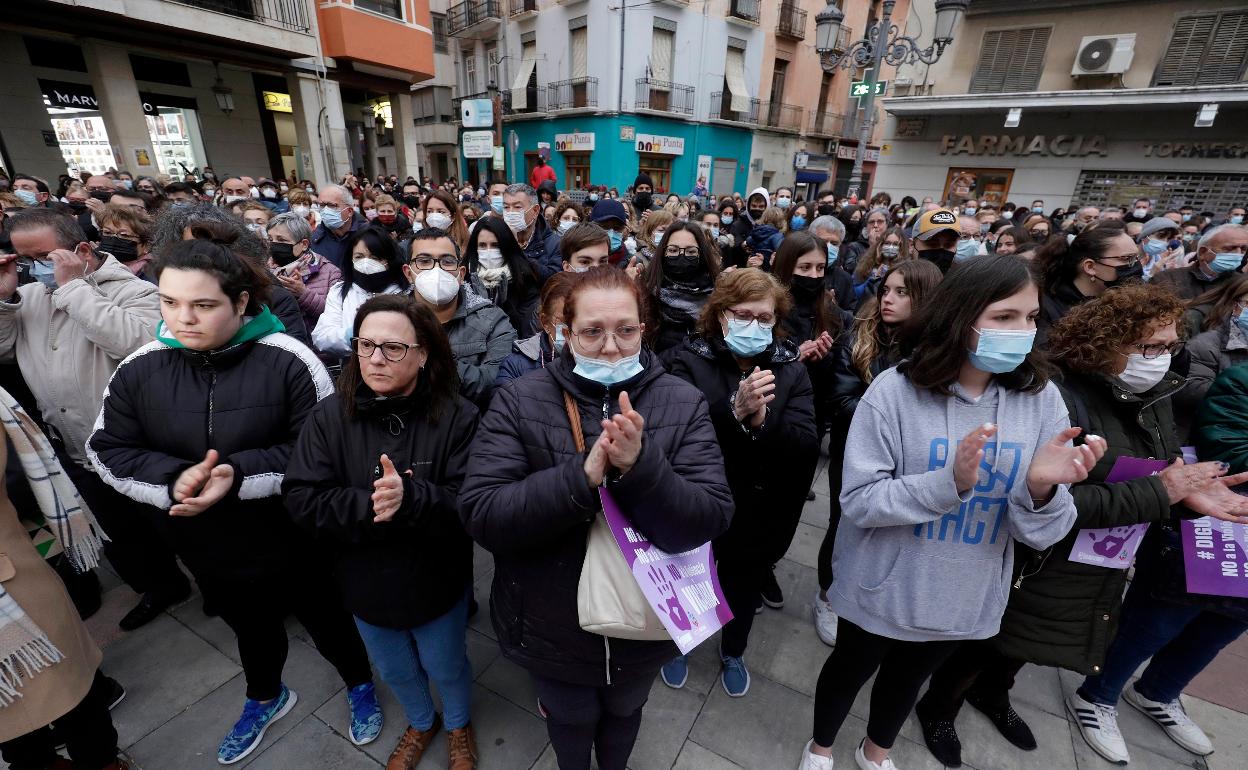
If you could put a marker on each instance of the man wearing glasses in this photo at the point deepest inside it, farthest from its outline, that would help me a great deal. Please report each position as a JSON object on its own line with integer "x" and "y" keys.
{"x": 338, "y": 224}
{"x": 479, "y": 333}
{"x": 1219, "y": 255}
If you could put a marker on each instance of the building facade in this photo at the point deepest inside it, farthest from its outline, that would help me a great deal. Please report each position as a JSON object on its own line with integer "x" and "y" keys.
{"x": 303, "y": 88}
{"x": 1115, "y": 100}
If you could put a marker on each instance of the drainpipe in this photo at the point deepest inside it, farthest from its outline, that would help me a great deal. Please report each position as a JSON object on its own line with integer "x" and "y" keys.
{"x": 619, "y": 96}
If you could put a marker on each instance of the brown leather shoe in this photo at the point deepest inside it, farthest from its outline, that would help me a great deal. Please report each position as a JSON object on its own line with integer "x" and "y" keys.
{"x": 412, "y": 746}
{"x": 462, "y": 748}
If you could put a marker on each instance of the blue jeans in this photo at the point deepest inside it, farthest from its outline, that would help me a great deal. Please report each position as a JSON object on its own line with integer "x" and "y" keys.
{"x": 1181, "y": 640}
{"x": 408, "y": 658}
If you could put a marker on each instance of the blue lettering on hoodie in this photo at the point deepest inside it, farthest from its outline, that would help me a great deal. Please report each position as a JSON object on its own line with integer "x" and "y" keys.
{"x": 987, "y": 507}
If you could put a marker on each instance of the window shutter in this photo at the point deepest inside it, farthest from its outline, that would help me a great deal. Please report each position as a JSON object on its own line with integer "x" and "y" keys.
{"x": 661, "y": 55}
{"x": 1224, "y": 58}
{"x": 1180, "y": 65}
{"x": 1010, "y": 60}
{"x": 580, "y": 52}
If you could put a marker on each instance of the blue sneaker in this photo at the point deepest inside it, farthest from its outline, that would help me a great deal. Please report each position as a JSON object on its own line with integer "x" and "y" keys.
{"x": 735, "y": 678}
{"x": 365, "y": 713}
{"x": 675, "y": 672}
{"x": 248, "y": 731}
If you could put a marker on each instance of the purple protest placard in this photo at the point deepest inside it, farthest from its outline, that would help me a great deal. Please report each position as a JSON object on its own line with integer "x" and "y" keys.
{"x": 1115, "y": 547}
{"x": 1215, "y": 557}
{"x": 683, "y": 587}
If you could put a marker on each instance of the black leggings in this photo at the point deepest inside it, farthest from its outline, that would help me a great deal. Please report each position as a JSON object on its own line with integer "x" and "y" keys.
{"x": 742, "y": 583}
{"x": 87, "y": 730}
{"x": 256, "y": 611}
{"x": 583, "y": 717}
{"x": 903, "y": 667}
{"x": 836, "y": 454}
{"x": 975, "y": 671}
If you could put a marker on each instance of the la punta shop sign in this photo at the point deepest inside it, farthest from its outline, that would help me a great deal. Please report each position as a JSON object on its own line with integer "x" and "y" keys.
{"x": 1059, "y": 146}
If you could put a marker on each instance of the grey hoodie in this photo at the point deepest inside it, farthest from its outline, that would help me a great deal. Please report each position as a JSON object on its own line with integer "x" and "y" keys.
{"x": 913, "y": 561}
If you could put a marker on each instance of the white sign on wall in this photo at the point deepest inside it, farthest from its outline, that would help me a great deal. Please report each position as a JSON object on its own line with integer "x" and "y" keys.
{"x": 574, "y": 142}
{"x": 704, "y": 168}
{"x": 478, "y": 144}
{"x": 661, "y": 145}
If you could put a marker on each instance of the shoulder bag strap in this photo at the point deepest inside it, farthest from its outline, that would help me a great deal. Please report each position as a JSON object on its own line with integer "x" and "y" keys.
{"x": 574, "y": 418}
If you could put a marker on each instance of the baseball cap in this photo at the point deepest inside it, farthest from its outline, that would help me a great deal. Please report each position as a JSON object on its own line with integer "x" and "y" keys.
{"x": 608, "y": 208}
{"x": 932, "y": 222}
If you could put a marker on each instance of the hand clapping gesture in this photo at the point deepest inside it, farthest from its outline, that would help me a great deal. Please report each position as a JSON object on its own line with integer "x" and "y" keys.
{"x": 387, "y": 492}
{"x": 618, "y": 446}
{"x": 1205, "y": 488}
{"x": 753, "y": 395}
{"x": 1055, "y": 463}
{"x": 815, "y": 349}
{"x": 201, "y": 486}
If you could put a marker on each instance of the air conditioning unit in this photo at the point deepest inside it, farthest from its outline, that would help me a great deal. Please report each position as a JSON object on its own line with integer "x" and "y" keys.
{"x": 1104, "y": 55}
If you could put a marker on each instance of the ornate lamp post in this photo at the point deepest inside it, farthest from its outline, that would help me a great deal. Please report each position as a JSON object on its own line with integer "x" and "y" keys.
{"x": 882, "y": 43}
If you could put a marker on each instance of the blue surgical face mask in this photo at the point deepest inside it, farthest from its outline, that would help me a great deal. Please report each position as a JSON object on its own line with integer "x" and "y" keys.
{"x": 607, "y": 372}
{"x": 1241, "y": 320}
{"x": 614, "y": 240}
{"x": 726, "y": 219}
{"x": 747, "y": 338}
{"x": 969, "y": 211}
{"x": 966, "y": 249}
{"x": 1238, "y": 219}
{"x": 593, "y": 196}
{"x": 44, "y": 274}
{"x": 1037, "y": 209}
{"x": 1186, "y": 217}
{"x": 783, "y": 203}
{"x": 27, "y": 197}
{"x": 560, "y": 339}
{"x": 1154, "y": 247}
{"x": 833, "y": 252}
{"x": 797, "y": 223}
{"x": 331, "y": 218}
{"x": 1001, "y": 350}
{"x": 496, "y": 203}
{"x": 1224, "y": 261}
{"x": 714, "y": 232}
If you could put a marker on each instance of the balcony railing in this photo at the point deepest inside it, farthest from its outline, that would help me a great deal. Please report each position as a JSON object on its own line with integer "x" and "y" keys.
{"x": 464, "y": 15}
{"x": 750, "y": 10}
{"x": 535, "y": 101}
{"x": 721, "y": 109}
{"x": 518, "y": 7}
{"x": 664, "y": 96}
{"x": 787, "y": 117}
{"x": 829, "y": 124}
{"x": 285, "y": 14}
{"x": 791, "y": 22}
{"x": 576, "y": 93}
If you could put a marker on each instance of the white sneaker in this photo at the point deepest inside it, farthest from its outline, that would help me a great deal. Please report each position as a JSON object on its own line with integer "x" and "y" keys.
{"x": 825, "y": 621}
{"x": 1099, "y": 725}
{"x": 860, "y": 758}
{"x": 812, "y": 761}
{"x": 1173, "y": 719}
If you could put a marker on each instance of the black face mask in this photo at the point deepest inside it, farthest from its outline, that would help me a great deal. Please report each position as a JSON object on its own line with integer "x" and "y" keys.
{"x": 78, "y": 206}
{"x": 282, "y": 253}
{"x": 756, "y": 213}
{"x": 682, "y": 266}
{"x": 102, "y": 195}
{"x": 377, "y": 282}
{"x": 123, "y": 250}
{"x": 1131, "y": 274}
{"x": 806, "y": 288}
{"x": 642, "y": 201}
{"x": 826, "y": 209}
{"x": 411, "y": 201}
{"x": 942, "y": 258}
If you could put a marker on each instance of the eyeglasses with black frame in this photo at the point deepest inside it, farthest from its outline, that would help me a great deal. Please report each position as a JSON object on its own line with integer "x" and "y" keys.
{"x": 427, "y": 262}
{"x": 1129, "y": 260}
{"x": 1155, "y": 351}
{"x": 391, "y": 350}
{"x": 765, "y": 320}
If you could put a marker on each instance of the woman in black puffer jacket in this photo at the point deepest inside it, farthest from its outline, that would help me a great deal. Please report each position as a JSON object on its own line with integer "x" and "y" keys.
{"x": 763, "y": 409}
{"x": 200, "y": 423}
{"x": 530, "y": 498}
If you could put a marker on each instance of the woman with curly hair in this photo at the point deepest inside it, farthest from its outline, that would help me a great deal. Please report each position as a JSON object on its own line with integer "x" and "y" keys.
{"x": 1113, "y": 353}
{"x": 568, "y": 214}
{"x": 891, "y": 249}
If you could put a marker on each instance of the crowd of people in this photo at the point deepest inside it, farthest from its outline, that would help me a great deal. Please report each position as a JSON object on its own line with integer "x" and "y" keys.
{"x": 311, "y": 401}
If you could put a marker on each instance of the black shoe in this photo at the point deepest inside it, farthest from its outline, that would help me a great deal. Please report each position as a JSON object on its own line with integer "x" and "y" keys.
{"x": 942, "y": 740}
{"x": 83, "y": 588}
{"x": 150, "y": 606}
{"x": 772, "y": 595}
{"x": 1009, "y": 724}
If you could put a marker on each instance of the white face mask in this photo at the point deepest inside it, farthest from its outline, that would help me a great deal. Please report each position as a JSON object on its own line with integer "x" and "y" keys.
{"x": 566, "y": 225}
{"x": 658, "y": 237}
{"x": 436, "y": 286}
{"x": 1143, "y": 373}
{"x": 254, "y": 191}
{"x": 369, "y": 266}
{"x": 490, "y": 259}
{"x": 515, "y": 220}
{"x": 234, "y": 199}
{"x": 438, "y": 219}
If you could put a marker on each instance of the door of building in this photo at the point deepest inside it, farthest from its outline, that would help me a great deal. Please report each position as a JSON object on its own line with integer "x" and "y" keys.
{"x": 723, "y": 176}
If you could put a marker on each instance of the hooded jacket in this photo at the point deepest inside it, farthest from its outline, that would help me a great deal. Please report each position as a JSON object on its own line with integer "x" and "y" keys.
{"x": 481, "y": 337}
{"x": 414, "y": 568}
{"x": 528, "y": 354}
{"x": 526, "y": 500}
{"x": 167, "y": 405}
{"x": 318, "y": 275}
{"x": 769, "y": 468}
{"x": 67, "y": 342}
{"x": 913, "y": 560}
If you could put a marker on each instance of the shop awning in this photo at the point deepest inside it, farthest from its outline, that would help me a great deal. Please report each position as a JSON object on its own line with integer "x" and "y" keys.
{"x": 811, "y": 177}
{"x": 734, "y": 72}
{"x": 1050, "y": 101}
{"x": 520, "y": 86}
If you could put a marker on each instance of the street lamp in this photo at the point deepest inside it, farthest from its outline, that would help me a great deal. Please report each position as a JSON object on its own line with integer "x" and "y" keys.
{"x": 224, "y": 94}
{"x": 882, "y": 43}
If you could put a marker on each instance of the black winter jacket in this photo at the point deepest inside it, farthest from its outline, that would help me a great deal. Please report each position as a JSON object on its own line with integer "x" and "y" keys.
{"x": 1065, "y": 613}
{"x": 1054, "y": 305}
{"x": 769, "y": 468}
{"x": 526, "y": 500}
{"x": 412, "y": 569}
{"x": 165, "y": 407}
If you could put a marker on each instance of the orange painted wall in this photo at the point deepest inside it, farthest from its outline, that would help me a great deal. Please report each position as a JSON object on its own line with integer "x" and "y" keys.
{"x": 359, "y": 36}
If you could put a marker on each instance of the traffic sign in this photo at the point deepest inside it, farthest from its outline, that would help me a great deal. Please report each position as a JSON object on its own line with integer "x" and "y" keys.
{"x": 861, "y": 88}
{"x": 478, "y": 144}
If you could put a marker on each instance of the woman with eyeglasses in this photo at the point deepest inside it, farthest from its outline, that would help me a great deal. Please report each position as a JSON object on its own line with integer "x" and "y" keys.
{"x": 890, "y": 250}
{"x": 1038, "y": 228}
{"x": 1113, "y": 353}
{"x": 531, "y": 495}
{"x": 200, "y": 424}
{"x": 374, "y": 266}
{"x": 763, "y": 409}
{"x": 957, "y": 454}
{"x": 376, "y": 471}
{"x": 679, "y": 283}
{"x": 1098, "y": 259}
{"x": 499, "y": 271}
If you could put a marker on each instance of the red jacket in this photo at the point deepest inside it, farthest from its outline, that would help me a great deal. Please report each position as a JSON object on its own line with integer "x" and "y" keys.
{"x": 541, "y": 174}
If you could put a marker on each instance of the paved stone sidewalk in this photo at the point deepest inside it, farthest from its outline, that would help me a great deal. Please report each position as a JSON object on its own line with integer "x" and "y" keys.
{"x": 185, "y": 688}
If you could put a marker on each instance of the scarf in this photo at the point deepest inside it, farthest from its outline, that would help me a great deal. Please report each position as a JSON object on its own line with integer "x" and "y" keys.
{"x": 682, "y": 303}
{"x": 25, "y": 649}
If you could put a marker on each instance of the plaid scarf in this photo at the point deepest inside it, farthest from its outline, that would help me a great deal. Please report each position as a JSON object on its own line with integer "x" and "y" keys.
{"x": 25, "y": 649}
